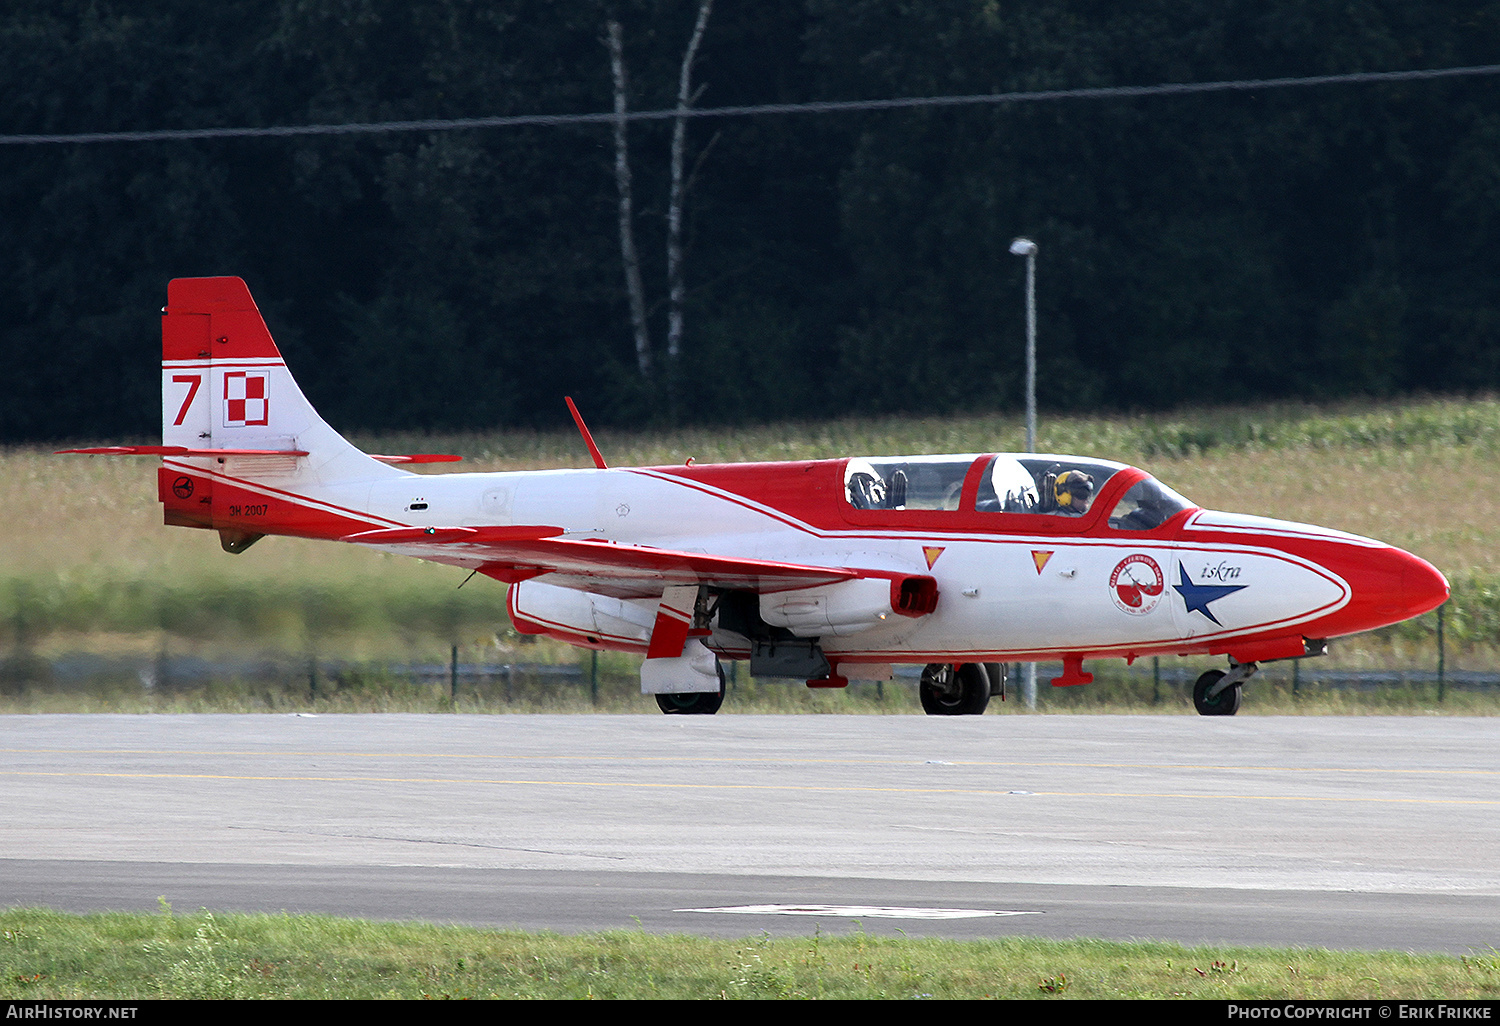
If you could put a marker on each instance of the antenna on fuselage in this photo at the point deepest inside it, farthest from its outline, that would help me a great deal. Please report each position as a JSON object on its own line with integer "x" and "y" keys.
{"x": 583, "y": 430}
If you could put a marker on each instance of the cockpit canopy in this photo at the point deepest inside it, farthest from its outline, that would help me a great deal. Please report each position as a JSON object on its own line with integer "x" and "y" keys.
{"x": 906, "y": 482}
{"x": 1061, "y": 486}
{"x": 1147, "y": 504}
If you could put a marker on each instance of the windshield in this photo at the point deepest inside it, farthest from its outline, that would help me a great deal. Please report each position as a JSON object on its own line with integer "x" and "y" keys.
{"x": 1148, "y": 504}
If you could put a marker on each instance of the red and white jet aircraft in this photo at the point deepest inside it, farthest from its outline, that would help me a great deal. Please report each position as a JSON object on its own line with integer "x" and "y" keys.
{"x": 824, "y": 570}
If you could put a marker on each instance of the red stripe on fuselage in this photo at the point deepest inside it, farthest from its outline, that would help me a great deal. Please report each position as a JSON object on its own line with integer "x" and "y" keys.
{"x": 287, "y": 513}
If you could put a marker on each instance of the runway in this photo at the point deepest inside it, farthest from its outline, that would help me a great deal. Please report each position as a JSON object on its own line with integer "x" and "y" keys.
{"x": 1359, "y": 832}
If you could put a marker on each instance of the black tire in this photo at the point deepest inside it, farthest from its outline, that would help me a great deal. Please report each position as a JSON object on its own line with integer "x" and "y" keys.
{"x": 962, "y": 690}
{"x": 694, "y": 703}
{"x": 1226, "y": 703}
{"x": 997, "y": 676}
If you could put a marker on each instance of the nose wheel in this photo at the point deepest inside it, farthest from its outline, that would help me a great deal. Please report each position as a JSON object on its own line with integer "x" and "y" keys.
{"x": 1218, "y": 693}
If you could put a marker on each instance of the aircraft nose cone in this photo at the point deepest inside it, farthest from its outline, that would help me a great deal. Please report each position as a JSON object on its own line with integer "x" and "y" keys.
{"x": 1396, "y": 585}
{"x": 1422, "y": 586}
{"x": 1388, "y": 586}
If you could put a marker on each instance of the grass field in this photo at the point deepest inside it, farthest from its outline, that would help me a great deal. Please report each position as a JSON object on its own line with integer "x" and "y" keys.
{"x": 51, "y": 955}
{"x": 86, "y": 565}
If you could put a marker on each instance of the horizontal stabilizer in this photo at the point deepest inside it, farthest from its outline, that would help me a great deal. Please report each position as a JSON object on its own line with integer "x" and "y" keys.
{"x": 624, "y": 571}
{"x": 177, "y": 450}
{"x": 181, "y": 450}
{"x": 418, "y": 457}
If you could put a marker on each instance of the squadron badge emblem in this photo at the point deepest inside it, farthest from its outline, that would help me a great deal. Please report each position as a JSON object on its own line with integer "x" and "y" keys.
{"x": 1137, "y": 584}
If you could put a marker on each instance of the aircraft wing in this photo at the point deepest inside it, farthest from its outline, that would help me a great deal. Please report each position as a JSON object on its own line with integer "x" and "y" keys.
{"x": 515, "y": 554}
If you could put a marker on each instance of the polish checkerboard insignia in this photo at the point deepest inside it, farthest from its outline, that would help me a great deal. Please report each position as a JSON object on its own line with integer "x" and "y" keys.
{"x": 246, "y": 402}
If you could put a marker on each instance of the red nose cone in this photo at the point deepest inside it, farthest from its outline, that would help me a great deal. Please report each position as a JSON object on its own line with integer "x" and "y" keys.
{"x": 1388, "y": 585}
{"x": 1422, "y": 586}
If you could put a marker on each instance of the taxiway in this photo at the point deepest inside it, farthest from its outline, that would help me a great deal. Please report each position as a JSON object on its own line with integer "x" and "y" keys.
{"x": 1361, "y": 832}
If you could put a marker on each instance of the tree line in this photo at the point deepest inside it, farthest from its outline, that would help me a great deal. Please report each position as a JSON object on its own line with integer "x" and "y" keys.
{"x": 1313, "y": 243}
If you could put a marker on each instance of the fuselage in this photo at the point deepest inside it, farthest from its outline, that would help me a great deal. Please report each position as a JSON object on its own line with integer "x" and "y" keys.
{"x": 1138, "y": 572}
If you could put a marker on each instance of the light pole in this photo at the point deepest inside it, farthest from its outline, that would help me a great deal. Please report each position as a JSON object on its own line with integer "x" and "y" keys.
{"x": 1026, "y": 248}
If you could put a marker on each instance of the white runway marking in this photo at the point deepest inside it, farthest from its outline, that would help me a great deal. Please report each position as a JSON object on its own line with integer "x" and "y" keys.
{"x": 861, "y": 911}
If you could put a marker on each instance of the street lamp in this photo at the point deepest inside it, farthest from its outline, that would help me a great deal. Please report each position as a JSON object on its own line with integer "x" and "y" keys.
{"x": 1026, "y": 248}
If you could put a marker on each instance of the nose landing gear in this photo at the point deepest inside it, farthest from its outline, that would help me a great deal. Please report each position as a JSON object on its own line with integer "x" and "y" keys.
{"x": 1217, "y": 693}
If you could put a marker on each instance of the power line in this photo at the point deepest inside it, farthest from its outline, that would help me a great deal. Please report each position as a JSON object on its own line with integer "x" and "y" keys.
{"x": 749, "y": 110}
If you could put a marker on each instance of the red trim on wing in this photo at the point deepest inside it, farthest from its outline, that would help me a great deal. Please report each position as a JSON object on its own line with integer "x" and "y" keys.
{"x": 417, "y": 457}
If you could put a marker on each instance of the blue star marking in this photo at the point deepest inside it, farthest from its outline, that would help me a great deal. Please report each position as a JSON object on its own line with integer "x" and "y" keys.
{"x": 1198, "y": 596}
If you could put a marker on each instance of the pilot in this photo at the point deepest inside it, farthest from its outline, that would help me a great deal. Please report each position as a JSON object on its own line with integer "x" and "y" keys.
{"x": 895, "y": 492}
{"x": 1071, "y": 491}
{"x": 865, "y": 488}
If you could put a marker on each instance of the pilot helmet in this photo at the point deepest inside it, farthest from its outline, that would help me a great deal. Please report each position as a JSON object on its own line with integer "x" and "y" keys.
{"x": 1073, "y": 490}
{"x": 863, "y": 485}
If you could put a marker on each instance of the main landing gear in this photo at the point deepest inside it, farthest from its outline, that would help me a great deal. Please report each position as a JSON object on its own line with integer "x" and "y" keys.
{"x": 961, "y": 690}
{"x": 1217, "y": 693}
{"x": 694, "y": 703}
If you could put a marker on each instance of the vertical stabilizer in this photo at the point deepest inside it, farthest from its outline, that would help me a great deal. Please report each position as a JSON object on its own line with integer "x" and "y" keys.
{"x": 228, "y": 397}
{"x": 226, "y": 386}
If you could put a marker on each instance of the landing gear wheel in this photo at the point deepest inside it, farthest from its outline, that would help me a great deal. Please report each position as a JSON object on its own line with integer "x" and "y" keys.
{"x": 962, "y": 690}
{"x": 694, "y": 703}
{"x": 1225, "y": 703}
{"x": 997, "y": 677}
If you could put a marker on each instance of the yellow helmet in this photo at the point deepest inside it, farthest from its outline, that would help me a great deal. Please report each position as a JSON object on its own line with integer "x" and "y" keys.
{"x": 1073, "y": 486}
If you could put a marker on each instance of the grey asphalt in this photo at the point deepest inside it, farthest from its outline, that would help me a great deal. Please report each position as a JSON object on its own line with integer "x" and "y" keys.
{"x": 1358, "y": 832}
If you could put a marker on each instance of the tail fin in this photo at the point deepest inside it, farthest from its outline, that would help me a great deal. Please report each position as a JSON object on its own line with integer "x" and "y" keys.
{"x": 225, "y": 385}
{"x": 230, "y": 402}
